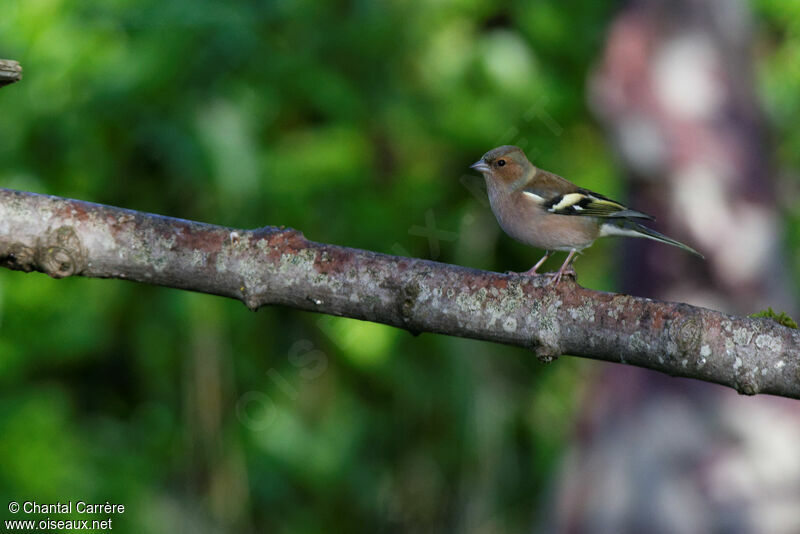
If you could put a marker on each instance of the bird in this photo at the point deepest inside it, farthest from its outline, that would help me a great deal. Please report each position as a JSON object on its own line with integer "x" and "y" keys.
{"x": 544, "y": 210}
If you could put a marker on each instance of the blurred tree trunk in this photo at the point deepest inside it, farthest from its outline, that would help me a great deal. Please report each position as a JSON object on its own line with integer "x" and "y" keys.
{"x": 674, "y": 88}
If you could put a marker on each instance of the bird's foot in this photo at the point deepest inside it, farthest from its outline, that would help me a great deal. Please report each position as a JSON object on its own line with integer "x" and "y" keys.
{"x": 529, "y": 272}
{"x": 555, "y": 278}
{"x": 532, "y": 270}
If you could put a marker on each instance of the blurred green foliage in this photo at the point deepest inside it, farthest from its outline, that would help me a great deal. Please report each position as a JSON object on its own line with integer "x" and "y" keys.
{"x": 353, "y": 122}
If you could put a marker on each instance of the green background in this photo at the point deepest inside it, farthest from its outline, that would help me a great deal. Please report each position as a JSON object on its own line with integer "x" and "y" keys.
{"x": 354, "y": 122}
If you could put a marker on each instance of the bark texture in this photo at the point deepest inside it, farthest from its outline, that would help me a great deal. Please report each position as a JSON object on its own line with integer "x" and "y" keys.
{"x": 10, "y": 72}
{"x": 279, "y": 266}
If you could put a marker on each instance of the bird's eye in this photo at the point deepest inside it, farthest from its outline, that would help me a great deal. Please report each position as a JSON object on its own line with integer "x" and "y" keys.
{"x": 501, "y": 162}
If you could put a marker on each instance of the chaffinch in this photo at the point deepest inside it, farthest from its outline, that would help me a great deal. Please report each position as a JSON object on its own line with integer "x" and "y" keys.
{"x": 546, "y": 211}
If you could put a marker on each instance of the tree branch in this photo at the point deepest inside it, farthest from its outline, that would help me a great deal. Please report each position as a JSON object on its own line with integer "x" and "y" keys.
{"x": 278, "y": 266}
{"x": 10, "y": 72}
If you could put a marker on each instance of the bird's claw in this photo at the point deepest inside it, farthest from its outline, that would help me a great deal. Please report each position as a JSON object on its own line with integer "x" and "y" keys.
{"x": 555, "y": 278}
{"x": 522, "y": 273}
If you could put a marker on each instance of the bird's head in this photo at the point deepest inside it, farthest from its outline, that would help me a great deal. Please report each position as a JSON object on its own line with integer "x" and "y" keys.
{"x": 506, "y": 164}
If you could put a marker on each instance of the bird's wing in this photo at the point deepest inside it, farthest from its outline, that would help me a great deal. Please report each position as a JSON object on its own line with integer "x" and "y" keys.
{"x": 562, "y": 197}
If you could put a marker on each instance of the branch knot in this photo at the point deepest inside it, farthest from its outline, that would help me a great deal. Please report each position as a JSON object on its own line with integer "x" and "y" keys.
{"x": 687, "y": 334}
{"x": 545, "y": 352}
{"x": 60, "y": 253}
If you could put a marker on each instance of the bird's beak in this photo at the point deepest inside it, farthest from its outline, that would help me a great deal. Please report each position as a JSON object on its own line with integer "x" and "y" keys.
{"x": 480, "y": 166}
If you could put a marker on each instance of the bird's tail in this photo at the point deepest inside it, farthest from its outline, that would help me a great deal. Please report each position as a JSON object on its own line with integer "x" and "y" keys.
{"x": 633, "y": 229}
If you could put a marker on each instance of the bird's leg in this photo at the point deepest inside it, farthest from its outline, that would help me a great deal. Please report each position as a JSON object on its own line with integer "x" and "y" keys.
{"x": 566, "y": 268}
{"x": 532, "y": 270}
